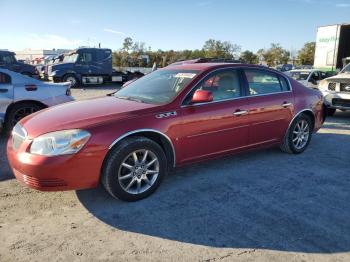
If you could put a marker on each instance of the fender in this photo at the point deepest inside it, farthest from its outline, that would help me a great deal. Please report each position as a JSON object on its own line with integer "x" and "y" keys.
{"x": 146, "y": 130}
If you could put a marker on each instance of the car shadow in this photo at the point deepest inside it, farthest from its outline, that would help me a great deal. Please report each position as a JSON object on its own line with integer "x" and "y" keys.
{"x": 263, "y": 199}
{"x": 5, "y": 171}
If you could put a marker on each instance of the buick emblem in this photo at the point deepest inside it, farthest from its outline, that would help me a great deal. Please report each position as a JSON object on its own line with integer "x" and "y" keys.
{"x": 347, "y": 88}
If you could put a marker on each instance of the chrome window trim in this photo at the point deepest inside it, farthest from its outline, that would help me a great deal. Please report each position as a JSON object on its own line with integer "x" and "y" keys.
{"x": 146, "y": 130}
{"x": 235, "y": 98}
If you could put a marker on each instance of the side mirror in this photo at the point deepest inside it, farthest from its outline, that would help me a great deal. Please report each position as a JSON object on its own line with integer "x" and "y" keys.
{"x": 202, "y": 96}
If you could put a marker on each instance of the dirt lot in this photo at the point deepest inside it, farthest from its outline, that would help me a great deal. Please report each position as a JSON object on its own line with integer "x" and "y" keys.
{"x": 258, "y": 206}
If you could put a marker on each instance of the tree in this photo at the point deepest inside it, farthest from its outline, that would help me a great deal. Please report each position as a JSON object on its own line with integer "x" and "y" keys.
{"x": 306, "y": 55}
{"x": 127, "y": 44}
{"x": 275, "y": 55}
{"x": 249, "y": 57}
{"x": 217, "y": 49}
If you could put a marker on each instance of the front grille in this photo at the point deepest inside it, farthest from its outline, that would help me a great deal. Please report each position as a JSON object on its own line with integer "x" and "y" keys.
{"x": 19, "y": 134}
{"x": 341, "y": 102}
{"x": 331, "y": 86}
{"x": 345, "y": 87}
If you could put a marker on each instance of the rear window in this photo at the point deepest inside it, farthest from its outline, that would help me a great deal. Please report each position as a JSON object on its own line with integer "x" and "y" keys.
{"x": 5, "y": 78}
{"x": 262, "y": 82}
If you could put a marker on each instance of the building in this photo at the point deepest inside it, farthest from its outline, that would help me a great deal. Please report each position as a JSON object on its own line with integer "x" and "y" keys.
{"x": 30, "y": 55}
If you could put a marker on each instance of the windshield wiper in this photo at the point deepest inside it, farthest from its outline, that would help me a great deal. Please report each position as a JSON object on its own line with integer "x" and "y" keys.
{"x": 131, "y": 99}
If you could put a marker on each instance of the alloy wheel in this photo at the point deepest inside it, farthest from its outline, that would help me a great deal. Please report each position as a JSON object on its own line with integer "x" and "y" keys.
{"x": 21, "y": 113}
{"x": 301, "y": 134}
{"x": 138, "y": 171}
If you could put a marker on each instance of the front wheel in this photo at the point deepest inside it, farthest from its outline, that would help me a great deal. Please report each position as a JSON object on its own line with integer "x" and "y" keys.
{"x": 134, "y": 169}
{"x": 72, "y": 79}
{"x": 298, "y": 135}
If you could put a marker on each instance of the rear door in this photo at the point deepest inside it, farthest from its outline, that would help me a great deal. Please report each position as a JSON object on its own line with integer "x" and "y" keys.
{"x": 219, "y": 126}
{"x": 6, "y": 93}
{"x": 270, "y": 105}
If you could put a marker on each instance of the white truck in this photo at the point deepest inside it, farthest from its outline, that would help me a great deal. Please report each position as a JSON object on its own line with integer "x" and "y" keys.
{"x": 332, "y": 47}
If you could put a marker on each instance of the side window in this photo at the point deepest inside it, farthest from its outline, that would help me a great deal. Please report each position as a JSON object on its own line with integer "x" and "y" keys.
{"x": 284, "y": 84}
{"x": 224, "y": 85}
{"x": 315, "y": 76}
{"x": 86, "y": 57}
{"x": 4, "y": 78}
{"x": 263, "y": 82}
{"x": 323, "y": 75}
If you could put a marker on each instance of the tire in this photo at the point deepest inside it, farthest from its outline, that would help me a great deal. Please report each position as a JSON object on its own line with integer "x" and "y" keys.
{"x": 19, "y": 111}
{"x": 72, "y": 79}
{"x": 120, "y": 169}
{"x": 294, "y": 142}
{"x": 330, "y": 111}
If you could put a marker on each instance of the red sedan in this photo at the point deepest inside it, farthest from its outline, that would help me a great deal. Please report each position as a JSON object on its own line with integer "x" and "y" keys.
{"x": 178, "y": 115}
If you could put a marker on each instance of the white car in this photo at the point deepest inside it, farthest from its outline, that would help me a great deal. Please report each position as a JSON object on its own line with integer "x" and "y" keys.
{"x": 21, "y": 95}
{"x": 336, "y": 91}
{"x": 308, "y": 77}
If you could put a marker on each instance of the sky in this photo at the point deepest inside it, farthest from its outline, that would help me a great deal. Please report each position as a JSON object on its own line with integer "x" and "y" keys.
{"x": 161, "y": 24}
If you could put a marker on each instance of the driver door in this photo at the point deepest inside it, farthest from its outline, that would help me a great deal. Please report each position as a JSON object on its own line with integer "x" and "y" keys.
{"x": 219, "y": 126}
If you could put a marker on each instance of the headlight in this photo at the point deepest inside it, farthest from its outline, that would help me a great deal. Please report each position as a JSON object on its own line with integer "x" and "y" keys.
{"x": 323, "y": 85}
{"x": 60, "y": 143}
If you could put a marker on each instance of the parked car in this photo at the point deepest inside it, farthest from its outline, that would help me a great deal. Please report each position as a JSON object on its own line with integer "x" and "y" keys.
{"x": 307, "y": 77}
{"x": 8, "y": 61}
{"x": 284, "y": 67}
{"x": 86, "y": 66}
{"x": 174, "y": 116}
{"x": 336, "y": 91}
{"x": 21, "y": 95}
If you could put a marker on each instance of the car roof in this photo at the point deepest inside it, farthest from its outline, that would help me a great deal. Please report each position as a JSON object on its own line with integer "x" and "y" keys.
{"x": 304, "y": 70}
{"x": 208, "y": 66}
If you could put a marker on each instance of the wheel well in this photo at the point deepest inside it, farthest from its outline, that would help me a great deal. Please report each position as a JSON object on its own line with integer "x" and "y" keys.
{"x": 311, "y": 116}
{"x": 161, "y": 140}
{"x": 22, "y": 102}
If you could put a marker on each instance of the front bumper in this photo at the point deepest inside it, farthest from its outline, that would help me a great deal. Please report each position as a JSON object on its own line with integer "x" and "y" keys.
{"x": 337, "y": 100}
{"x": 68, "y": 172}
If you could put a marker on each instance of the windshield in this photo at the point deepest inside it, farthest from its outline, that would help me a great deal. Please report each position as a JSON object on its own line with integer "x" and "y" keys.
{"x": 159, "y": 87}
{"x": 70, "y": 58}
{"x": 346, "y": 69}
{"x": 299, "y": 75}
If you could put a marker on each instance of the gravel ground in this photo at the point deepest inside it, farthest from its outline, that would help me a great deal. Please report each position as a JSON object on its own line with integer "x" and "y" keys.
{"x": 257, "y": 206}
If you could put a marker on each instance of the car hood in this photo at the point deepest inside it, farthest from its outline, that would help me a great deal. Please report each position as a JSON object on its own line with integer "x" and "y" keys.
{"x": 62, "y": 66}
{"x": 27, "y": 68}
{"x": 82, "y": 114}
{"x": 339, "y": 78}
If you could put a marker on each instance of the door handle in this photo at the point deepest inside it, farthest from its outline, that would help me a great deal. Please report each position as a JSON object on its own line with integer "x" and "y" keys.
{"x": 240, "y": 112}
{"x": 285, "y": 104}
{"x": 3, "y": 90}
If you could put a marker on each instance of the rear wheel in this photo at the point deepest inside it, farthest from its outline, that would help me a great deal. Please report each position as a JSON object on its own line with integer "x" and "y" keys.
{"x": 72, "y": 79}
{"x": 19, "y": 111}
{"x": 134, "y": 169}
{"x": 298, "y": 135}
